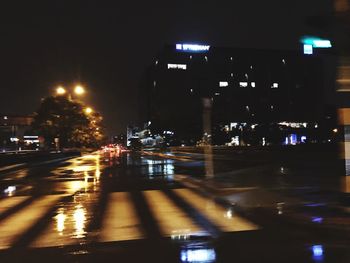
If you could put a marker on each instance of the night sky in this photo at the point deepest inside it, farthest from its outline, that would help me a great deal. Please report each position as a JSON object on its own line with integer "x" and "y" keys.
{"x": 106, "y": 45}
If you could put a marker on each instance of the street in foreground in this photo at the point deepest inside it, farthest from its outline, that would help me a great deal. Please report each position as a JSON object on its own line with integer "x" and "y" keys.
{"x": 151, "y": 207}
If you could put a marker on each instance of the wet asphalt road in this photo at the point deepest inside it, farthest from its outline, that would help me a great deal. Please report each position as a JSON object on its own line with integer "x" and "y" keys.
{"x": 131, "y": 208}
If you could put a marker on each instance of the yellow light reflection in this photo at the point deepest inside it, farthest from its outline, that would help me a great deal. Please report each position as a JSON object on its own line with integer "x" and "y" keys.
{"x": 86, "y": 180}
{"x": 75, "y": 186}
{"x": 60, "y": 219}
{"x": 79, "y": 221}
{"x": 82, "y": 168}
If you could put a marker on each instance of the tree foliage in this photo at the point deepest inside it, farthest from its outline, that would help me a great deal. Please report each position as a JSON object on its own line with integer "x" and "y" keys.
{"x": 63, "y": 118}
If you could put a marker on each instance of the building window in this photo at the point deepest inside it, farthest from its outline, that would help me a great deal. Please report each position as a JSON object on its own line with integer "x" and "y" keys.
{"x": 252, "y": 84}
{"x": 243, "y": 84}
{"x": 274, "y": 85}
{"x": 223, "y": 84}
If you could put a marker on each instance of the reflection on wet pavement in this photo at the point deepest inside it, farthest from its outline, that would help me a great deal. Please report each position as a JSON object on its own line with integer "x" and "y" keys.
{"x": 225, "y": 219}
{"x": 197, "y": 252}
{"x": 171, "y": 219}
{"x": 69, "y": 224}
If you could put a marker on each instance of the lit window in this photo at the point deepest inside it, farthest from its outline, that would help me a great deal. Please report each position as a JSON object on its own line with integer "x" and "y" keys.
{"x": 231, "y": 58}
{"x": 252, "y": 84}
{"x": 247, "y": 108}
{"x": 223, "y": 84}
{"x": 243, "y": 84}
{"x": 231, "y": 75}
{"x": 154, "y": 83}
{"x": 156, "y": 62}
{"x": 206, "y": 58}
{"x": 246, "y": 75}
{"x": 274, "y": 85}
{"x": 191, "y": 57}
{"x": 217, "y": 94}
{"x": 177, "y": 66}
{"x": 283, "y": 61}
{"x": 5, "y": 117}
{"x": 251, "y": 67}
{"x": 191, "y": 90}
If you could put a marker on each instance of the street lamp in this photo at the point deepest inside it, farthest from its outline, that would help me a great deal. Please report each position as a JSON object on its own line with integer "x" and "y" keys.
{"x": 60, "y": 90}
{"x": 79, "y": 90}
{"x": 88, "y": 110}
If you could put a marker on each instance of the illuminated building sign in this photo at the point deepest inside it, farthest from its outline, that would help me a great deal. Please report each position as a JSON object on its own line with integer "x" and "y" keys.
{"x": 308, "y": 49}
{"x": 177, "y": 66}
{"x": 192, "y": 47}
{"x": 314, "y": 42}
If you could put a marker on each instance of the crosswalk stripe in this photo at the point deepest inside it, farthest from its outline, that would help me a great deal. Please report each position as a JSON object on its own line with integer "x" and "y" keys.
{"x": 15, "y": 225}
{"x": 10, "y": 202}
{"x": 171, "y": 219}
{"x": 67, "y": 227}
{"x": 120, "y": 220}
{"x": 225, "y": 219}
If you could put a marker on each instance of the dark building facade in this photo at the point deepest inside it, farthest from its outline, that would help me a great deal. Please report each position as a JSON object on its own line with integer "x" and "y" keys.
{"x": 260, "y": 96}
{"x": 13, "y": 131}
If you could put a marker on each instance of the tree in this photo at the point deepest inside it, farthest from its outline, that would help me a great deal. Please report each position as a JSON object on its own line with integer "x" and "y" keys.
{"x": 63, "y": 118}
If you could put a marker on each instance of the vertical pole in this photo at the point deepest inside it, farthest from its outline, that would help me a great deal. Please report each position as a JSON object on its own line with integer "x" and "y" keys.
{"x": 208, "y": 151}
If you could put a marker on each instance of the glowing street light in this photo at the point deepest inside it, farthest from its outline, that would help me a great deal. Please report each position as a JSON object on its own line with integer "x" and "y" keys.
{"x": 79, "y": 90}
{"x": 60, "y": 90}
{"x": 88, "y": 110}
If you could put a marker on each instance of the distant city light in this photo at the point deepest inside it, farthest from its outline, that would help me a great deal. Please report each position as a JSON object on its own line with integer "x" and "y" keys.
{"x": 223, "y": 84}
{"x": 177, "y": 66}
{"x": 274, "y": 85}
{"x": 252, "y": 84}
{"x": 193, "y": 47}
